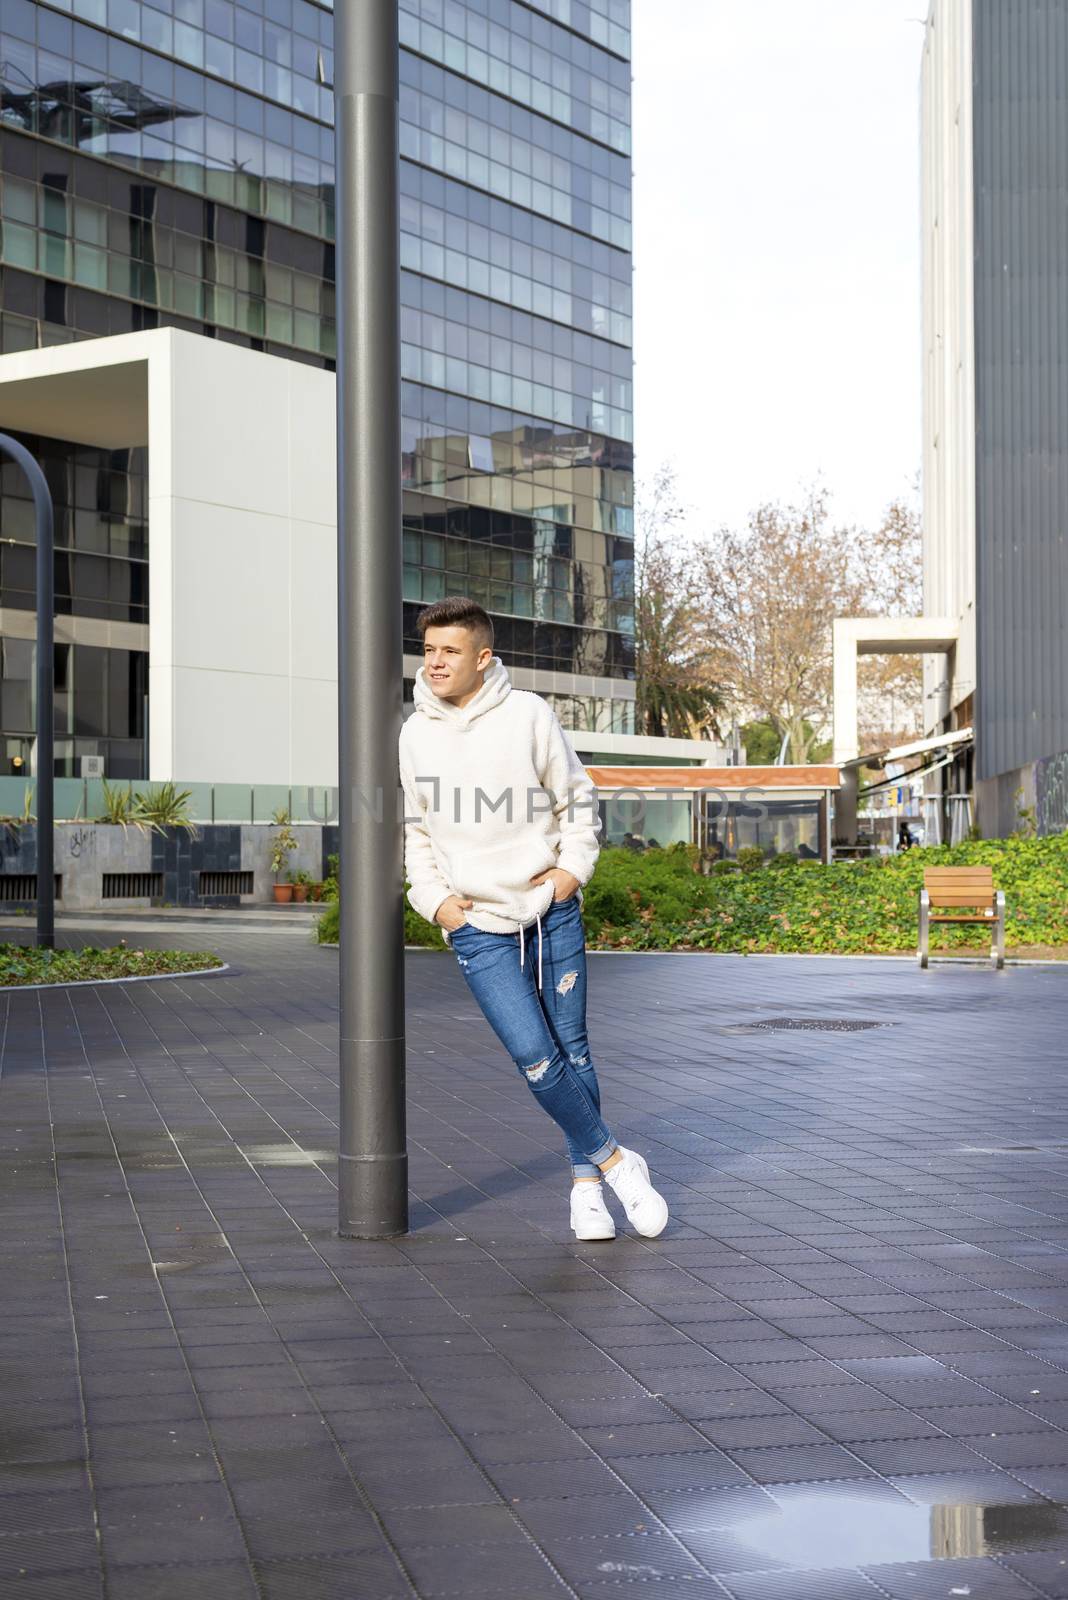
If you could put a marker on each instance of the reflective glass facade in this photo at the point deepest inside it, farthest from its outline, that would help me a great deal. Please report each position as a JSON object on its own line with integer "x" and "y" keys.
{"x": 170, "y": 163}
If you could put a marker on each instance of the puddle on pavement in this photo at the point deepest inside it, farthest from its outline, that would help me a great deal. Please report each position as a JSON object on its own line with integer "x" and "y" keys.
{"x": 823, "y": 1530}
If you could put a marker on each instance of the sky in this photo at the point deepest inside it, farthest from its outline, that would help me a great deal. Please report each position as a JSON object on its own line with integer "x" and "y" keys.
{"x": 777, "y": 251}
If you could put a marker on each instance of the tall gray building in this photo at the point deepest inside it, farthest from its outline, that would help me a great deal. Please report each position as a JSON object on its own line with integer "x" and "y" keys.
{"x": 995, "y": 199}
{"x": 169, "y": 163}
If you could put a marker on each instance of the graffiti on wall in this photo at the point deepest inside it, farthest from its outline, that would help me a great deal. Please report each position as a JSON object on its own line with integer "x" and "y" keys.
{"x": 1051, "y": 793}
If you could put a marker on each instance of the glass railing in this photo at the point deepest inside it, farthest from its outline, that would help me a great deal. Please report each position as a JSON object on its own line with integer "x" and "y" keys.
{"x": 83, "y": 800}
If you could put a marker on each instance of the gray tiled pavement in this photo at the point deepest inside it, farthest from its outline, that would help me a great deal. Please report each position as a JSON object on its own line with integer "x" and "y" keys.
{"x": 846, "y": 1357}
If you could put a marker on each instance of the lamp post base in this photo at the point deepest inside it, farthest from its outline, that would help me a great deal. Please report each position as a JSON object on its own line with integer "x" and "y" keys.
{"x": 373, "y": 1196}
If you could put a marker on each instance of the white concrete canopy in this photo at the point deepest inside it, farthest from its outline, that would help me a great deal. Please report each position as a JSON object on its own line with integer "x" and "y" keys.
{"x": 243, "y": 567}
{"x": 877, "y": 636}
{"x": 104, "y": 405}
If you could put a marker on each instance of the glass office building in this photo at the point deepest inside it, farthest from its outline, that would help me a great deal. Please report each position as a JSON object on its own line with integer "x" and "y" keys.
{"x": 171, "y": 164}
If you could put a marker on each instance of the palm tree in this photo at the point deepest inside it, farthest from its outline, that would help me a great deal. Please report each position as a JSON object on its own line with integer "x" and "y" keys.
{"x": 676, "y": 695}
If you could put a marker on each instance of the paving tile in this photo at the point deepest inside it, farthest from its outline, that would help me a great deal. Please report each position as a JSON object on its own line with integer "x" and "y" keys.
{"x": 333, "y": 1578}
{"x": 33, "y": 1513}
{"x": 57, "y": 1550}
{"x": 1047, "y": 1571}
{"x": 684, "y": 1509}
{"x": 222, "y": 1580}
{"x": 968, "y": 1489}
{"x": 584, "y": 1517}
{"x": 648, "y": 1558}
{"x": 310, "y": 1535}
{"x": 553, "y": 1480}
{"x": 917, "y": 1455}
{"x": 730, "y": 1433}
{"x": 643, "y": 1439}
{"x": 139, "y": 1541}
{"x": 800, "y": 1463}
{"x": 698, "y": 1469}
{"x": 833, "y": 1583}
{"x": 452, "y": 1525}
{"x": 850, "y": 1306}
{"x": 936, "y": 1580}
{"x": 78, "y": 1584}
{"x": 515, "y": 1568}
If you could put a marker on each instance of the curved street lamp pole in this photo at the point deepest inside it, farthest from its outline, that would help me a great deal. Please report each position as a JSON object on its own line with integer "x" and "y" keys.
{"x": 42, "y": 505}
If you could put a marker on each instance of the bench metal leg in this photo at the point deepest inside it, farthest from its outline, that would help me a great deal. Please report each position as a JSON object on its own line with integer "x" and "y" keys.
{"x": 925, "y": 926}
{"x": 997, "y": 954}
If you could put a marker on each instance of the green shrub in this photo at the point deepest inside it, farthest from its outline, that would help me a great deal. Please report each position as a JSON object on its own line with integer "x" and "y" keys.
{"x": 659, "y": 900}
{"x": 721, "y": 868}
{"x": 785, "y": 858}
{"x": 119, "y": 806}
{"x": 163, "y": 806}
{"x": 750, "y": 858}
{"x": 608, "y": 902}
{"x": 416, "y": 929}
{"x": 328, "y": 928}
{"x": 807, "y": 906}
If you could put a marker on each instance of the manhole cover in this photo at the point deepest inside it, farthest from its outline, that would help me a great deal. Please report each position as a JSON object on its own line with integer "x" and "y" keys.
{"x": 816, "y": 1025}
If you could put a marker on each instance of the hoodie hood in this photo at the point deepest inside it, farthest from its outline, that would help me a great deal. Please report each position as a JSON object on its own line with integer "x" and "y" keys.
{"x": 496, "y": 686}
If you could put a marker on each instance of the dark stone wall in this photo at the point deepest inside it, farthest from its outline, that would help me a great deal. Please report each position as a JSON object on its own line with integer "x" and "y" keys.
{"x": 181, "y": 856}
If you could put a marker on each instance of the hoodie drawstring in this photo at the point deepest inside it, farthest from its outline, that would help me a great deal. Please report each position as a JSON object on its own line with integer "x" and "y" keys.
{"x": 522, "y": 949}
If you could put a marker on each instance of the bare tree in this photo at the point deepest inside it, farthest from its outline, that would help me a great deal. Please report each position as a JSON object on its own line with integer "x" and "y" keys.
{"x": 769, "y": 596}
{"x": 677, "y": 695}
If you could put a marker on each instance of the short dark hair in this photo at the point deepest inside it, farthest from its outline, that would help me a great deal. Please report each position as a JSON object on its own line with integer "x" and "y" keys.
{"x": 457, "y": 611}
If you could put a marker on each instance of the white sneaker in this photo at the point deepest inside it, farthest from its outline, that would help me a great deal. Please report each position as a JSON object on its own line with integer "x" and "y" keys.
{"x": 646, "y": 1210}
{"x": 590, "y": 1217}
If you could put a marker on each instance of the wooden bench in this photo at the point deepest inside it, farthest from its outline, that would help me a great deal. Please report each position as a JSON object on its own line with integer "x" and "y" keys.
{"x": 962, "y": 894}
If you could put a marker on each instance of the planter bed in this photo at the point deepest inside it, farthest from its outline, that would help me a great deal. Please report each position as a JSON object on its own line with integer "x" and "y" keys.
{"x": 22, "y": 965}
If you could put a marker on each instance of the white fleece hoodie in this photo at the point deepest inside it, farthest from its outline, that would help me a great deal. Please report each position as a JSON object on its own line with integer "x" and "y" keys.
{"x": 493, "y": 795}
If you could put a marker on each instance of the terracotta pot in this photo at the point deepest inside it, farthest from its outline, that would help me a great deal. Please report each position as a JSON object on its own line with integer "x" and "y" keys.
{"x": 317, "y": 891}
{"x": 283, "y": 893}
{"x": 300, "y": 891}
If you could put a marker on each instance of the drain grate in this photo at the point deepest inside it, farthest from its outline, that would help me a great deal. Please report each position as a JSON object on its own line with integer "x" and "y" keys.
{"x": 815, "y": 1025}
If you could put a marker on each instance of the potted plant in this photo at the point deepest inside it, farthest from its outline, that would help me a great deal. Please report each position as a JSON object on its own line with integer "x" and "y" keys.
{"x": 301, "y": 882}
{"x": 283, "y": 842}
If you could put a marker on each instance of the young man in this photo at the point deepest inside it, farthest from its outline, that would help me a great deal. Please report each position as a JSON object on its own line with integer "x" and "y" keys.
{"x": 501, "y": 832}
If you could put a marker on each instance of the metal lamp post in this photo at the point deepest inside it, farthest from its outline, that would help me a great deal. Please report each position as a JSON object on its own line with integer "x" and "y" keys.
{"x": 373, "y": 1163}
{"x": 42, "y": 505}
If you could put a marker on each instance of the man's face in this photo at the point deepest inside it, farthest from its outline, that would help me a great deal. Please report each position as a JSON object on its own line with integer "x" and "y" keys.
{"x": 454, "y": 661}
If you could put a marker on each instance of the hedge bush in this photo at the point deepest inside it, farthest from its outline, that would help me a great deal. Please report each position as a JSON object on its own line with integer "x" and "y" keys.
{"x": 657, "y": 900}
{"x": 850, "y": 907}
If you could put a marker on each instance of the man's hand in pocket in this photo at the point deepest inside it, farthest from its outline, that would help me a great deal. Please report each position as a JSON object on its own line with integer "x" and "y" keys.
{"x": 450, "y": 913}
{"x": 566, "y": 882}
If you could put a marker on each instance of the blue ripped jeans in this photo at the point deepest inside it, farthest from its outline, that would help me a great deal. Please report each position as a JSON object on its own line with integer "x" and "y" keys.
{"x": 545, "y": 1034}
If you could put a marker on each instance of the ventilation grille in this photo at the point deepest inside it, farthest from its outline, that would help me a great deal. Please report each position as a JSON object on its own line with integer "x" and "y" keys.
{"x": 133, "y": 885}
{"x": 229, "y": 883}
{"x": 23, "y": 886}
